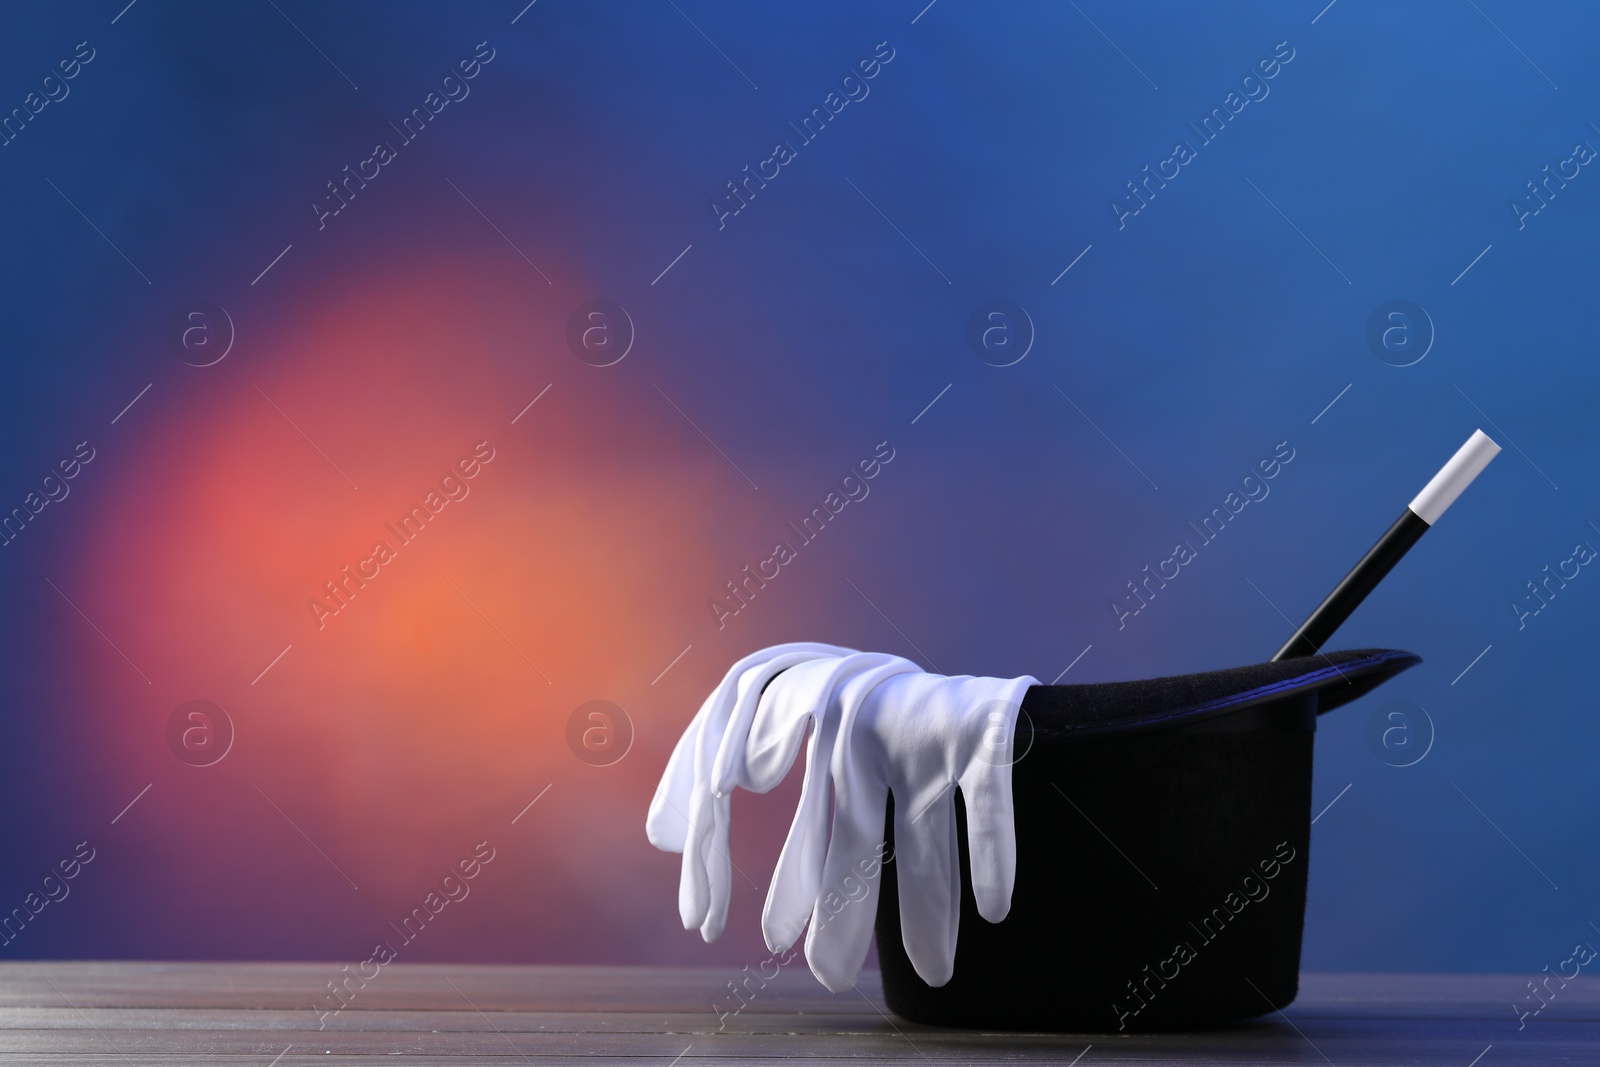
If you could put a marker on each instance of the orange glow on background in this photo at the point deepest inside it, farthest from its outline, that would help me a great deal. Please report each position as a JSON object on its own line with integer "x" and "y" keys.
{"x": 432, "y": 707}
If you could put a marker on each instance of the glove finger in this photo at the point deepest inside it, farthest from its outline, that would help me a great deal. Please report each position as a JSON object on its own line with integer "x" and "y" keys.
{"x": 705, "y": 732}
{"x": 694, "y": 886}
{"x": 930, "y": 882}
{"x": 991, "y": 845}
{"x": 847, "y": 905}
{"x": 700, "y": 890}
{"x": 786, "y": 710}
{"x": 986, "y": 792}
{"x": 811, "y": 693}
{"x": 719, "y": 870}
{"x": 799, "y": 870}
{"x": 667, "y": 823}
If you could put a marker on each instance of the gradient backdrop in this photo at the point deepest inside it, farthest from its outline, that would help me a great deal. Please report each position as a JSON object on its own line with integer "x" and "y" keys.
{"x": 184, "y": 171}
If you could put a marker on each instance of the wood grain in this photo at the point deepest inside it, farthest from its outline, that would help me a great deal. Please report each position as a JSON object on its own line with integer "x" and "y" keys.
{"x": 133, "y": 1014}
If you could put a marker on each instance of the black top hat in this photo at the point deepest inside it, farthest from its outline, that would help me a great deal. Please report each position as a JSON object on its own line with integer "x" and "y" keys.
{"x": 1162, "y": 844}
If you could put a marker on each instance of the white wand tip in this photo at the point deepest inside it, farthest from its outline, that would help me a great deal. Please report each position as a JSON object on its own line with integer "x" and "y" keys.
{"x": 1454, "y": 477}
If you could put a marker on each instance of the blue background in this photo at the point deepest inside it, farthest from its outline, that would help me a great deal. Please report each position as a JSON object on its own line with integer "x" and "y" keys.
{"x": 1196, "y": 337}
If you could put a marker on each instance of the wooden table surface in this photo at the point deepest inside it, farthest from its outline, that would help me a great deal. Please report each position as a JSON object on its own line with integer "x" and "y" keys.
{"x": 262, "y": 1014}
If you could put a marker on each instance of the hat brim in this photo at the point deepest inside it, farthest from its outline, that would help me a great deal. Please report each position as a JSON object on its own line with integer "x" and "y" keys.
{"x": 1067, "y": 712}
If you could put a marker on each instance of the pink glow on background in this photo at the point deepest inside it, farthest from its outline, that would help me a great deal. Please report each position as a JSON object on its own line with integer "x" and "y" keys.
{"x": 407, "y": 728}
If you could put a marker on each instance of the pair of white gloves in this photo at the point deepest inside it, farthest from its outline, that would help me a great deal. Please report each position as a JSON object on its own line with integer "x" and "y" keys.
{"x": 878, "y": 725}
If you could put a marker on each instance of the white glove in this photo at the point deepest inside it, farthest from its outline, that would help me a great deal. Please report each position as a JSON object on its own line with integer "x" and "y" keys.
{"x": 686, "y": 815}
{"x": 812, "y": 694}
{"x": 919, "y": 736}
{"x": 878, "y": 724}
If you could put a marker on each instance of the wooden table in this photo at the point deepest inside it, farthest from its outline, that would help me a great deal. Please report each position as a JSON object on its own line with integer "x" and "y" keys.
{"x": 261, "y": 1014}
